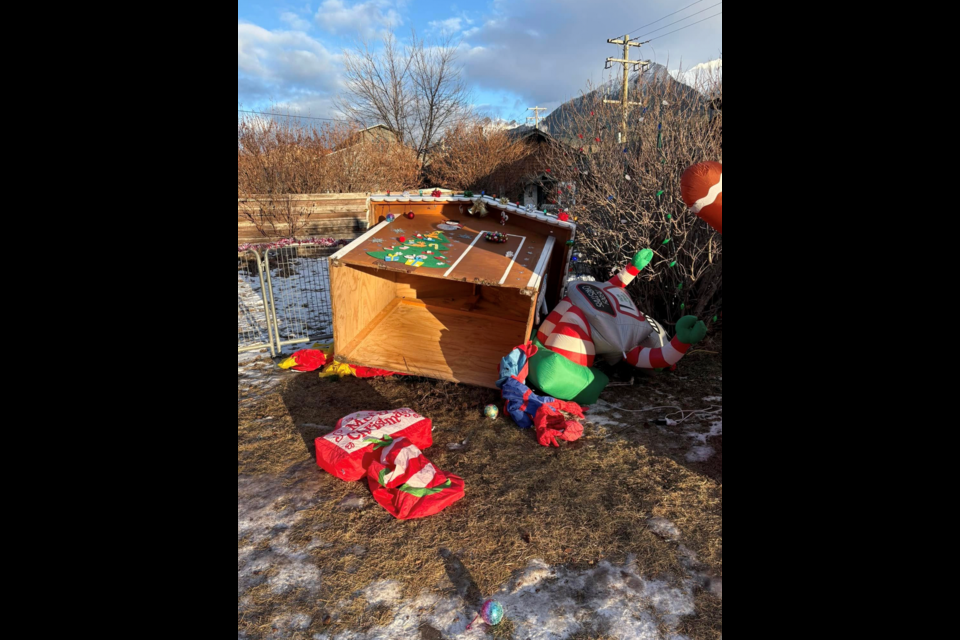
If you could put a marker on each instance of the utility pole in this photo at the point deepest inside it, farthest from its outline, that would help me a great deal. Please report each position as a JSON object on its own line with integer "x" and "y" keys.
{"x": 536, "y": 110}
{"x": 627, "y": 63}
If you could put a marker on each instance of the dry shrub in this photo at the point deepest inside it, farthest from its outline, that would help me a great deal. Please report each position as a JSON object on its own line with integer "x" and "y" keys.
{"x": 628, "y": 194}
{"x": 471, "y": 153}
{"x": 279, "y": 158}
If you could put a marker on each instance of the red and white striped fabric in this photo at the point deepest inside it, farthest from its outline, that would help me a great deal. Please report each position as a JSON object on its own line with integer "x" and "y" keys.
{"x": 662, "y": 358}
{"x": 407, "y": 485}
{"x": 573, "y": 338}
{"x": 602, "y": 320}
{"x": 625, "y": 277}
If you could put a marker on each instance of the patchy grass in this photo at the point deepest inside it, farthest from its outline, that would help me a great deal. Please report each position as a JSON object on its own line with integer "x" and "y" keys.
{"x": 576, "y": 506}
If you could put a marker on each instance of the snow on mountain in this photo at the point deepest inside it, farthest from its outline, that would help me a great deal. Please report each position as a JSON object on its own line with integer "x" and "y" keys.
{"x": 701, "y": 75}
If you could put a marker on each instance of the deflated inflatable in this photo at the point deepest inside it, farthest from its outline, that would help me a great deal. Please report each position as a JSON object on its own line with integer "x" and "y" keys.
{"x": 348, "y": 451}
{"x": 600, "y": 319}
{"x": 407, "y": 485}
{"x": 702, "y": 189}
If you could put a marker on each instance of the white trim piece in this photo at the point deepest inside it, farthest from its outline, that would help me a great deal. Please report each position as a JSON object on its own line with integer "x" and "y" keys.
{"x": 356, "y": 243}
{"x": 542, "y": 264}
{"x": 513, "y": 260}
{"x": 710, "y": 198}
{"x": 459, "y": 260}
{"x": 509, "y": 208}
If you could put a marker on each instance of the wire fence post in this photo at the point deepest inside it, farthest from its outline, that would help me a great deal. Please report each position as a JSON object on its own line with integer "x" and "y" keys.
{"x": 253, "y": 317}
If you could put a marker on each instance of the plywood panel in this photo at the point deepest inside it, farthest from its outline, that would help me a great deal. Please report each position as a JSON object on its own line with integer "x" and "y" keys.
{"x": 482, "y": 262}
{"x": 438, "y": 343}
{"x": 508, "y": 303}
{"x": 359, "y": 295}
{"x": 420, "y": 288}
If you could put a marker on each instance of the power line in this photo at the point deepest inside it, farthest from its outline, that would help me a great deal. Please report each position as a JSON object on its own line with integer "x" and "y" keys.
{"x": 665, "y": 17}
{"x": 280, "y": 115}
{"x": 680, "y": 20}
{"x": 686, "y": 27}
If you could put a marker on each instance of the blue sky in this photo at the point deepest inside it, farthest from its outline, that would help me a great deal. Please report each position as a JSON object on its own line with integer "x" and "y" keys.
{"x": 517, "y": 53}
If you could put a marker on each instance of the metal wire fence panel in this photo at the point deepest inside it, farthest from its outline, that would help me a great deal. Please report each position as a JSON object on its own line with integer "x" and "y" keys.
{"x": 299, "y": 287}
{"x": 253, "y": 320}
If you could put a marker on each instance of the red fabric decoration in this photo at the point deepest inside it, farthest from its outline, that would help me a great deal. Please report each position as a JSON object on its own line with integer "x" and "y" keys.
{"x": 348, "y": 451}
{"x": 438, "y": 194}
{"x": 365, "y": 372}
{"x": 309, "y": 360}
{"x": 405, "y": 483}
{"x": 564, "y": 217}
{"x": 550, "y": 423}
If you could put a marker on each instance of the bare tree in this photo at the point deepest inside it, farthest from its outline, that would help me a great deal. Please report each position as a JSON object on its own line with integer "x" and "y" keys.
{"x": 472, "y": 156}
{"x": 280, "y": 158}
{"x": 628, "y": 196}
{"x": 416, "y": 89}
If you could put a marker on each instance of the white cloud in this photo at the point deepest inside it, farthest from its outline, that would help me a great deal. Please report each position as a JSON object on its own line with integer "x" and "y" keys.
{"x": 364, "y": 18}
{"x": 451, "y": 25}
{"x": 295, "y": 21}
{"x": 515, "y": 61}
{"x": 283, "y": 66}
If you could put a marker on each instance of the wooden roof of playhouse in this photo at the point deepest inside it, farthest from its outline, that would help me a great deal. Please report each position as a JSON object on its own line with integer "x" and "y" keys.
{"x": 443, "y": 241}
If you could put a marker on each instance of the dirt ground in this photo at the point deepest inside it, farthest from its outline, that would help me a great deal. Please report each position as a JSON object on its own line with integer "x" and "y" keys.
{"x": 634, "y": 509}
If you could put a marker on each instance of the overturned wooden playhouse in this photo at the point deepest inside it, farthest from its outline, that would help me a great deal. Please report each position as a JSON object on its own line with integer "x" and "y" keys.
{"x": 433, "y": 296}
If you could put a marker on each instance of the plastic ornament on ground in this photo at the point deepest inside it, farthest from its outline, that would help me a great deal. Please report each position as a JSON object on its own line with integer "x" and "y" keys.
{"x": 491, "y": 411}
{"x": 491, "y": 613}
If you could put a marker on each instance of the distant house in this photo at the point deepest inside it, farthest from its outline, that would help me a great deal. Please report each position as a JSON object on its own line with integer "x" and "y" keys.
{"x": 528, "y": 180}
{"x": 377, "y": 133}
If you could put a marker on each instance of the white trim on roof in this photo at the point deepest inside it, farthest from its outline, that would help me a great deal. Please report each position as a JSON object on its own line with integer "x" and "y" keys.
{"x": 509, "y": 208}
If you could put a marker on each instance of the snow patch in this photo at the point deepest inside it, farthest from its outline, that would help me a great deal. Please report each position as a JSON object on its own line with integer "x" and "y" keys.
{"x": 266, "y": 509}
{"x": 545, "y": 603}
{"x": 700, "y": 454}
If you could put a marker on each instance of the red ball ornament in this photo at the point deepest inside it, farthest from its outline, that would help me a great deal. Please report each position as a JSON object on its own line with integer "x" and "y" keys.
{"x": 411, "y": 215}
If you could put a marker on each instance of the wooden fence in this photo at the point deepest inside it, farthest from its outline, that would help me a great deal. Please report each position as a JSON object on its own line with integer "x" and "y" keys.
{"x": 341, "y": 216}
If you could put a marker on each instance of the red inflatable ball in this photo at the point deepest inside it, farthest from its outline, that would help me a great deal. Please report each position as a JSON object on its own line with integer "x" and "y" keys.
{"x": 702, "y": 187}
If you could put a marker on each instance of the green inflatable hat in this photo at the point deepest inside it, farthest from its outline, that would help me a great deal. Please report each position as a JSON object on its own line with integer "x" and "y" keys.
{"x": 559, "y": 378}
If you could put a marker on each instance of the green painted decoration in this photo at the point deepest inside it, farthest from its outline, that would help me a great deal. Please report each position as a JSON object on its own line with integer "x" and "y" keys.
{"x": 413, "y": 253}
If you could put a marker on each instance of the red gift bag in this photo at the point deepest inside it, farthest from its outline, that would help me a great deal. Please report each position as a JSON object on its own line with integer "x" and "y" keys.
{"x": 348, "y": 451}
{"x": 407, "y": 485}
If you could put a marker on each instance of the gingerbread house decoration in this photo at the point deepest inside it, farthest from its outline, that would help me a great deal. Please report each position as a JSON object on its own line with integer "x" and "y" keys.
{"x": 438, "y": 289}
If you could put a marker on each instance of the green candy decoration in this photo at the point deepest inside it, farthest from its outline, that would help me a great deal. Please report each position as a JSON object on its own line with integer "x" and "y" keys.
{"x": 643, "y": 258}
{"x": 673, "y": 264}
{"x": 690, "y": 330}
{"x": 667, "y": 241}
{"x": 670, "y": 216}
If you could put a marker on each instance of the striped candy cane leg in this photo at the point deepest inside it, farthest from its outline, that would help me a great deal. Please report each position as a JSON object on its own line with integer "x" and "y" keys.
{"x": 553, "y": 320}
{"x": 644, "y": 358}
{"x": 573, "y": 338}
{"x": 625, "y": 277}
